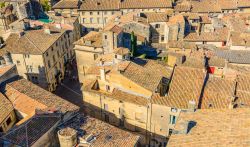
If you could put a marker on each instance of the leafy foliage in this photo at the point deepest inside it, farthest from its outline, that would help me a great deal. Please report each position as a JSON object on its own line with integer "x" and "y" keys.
{"x": 46, "y": 6}
{"x": 2, "y": 4}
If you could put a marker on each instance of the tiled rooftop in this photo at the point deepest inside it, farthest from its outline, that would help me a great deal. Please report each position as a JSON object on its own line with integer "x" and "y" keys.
{"x": 218, "y": 93}
{"x": 234, "y": 56}
{"x": 100, "y": 5}
{"x": 95, "y": 39}
{"x": 29, "y": 132}
{"x": 147, "y": 74}
{"x": 105, "y": 135}
{"x": 217, "y": 36}
{"x": 142, "y": 4}
{"x": 66, "y": 4}
{"x": 24, "y": 93}
{"x": 30, "y": 42}
{"x": 5, "y": 69}
{"x": 5, "y": 107}
{"x": 213, "y": 127}
{"x": 185, "y": 86}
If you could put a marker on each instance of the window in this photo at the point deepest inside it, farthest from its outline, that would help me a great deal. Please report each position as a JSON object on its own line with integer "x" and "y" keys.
{"x": 112, "y": 12}
{"x": 1, "y": 129}
{"x": 52, "y": 49}
{"x": 83, "y": 20}
{"x": 47, "y": 54}
{"x": 26, "y": 56}
{"x": 90, "y": 13}
{"x": 49, "y": 64}
{"x": 95, "y": 56}
{"x": 8, "y": 121}
{"x": 172, "y": 119}
{"x": 105, "y": 19}
{"x": 29, "y": 68}
{"x": 105, "y": 37}
{"x": 58, "y": 55}
{"x": 34, "y": 79}
{"x": 17, "y": 62}
{"x": 91, "y": 20}
{"x": 107, "y": 88}
{"x": 121, "y": 123}
{"x": 54, "y": 60}
{"x": 98, "y": 20}
{"x": 98, "y": 13}
{"x": 162, "y": 38}
{"x": 83, "y": 13}
{"x": 106, "y": 107}
{"x": 224, "y": 43}
{"x": 157, "y": 26}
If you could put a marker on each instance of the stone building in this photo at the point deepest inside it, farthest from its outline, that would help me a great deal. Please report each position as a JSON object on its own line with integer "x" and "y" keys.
{"x": 42, "y": 63}
{"x": 120, "y": 94}
{"x": 7, "y": 16}
{"x": 49, "y": 116}
{"x": 95, "y": 44}
{"x": 95, "y": 14}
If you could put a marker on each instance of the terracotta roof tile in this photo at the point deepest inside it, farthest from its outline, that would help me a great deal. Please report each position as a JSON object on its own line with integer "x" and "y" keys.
{"x": 185, "y": 86}
{"x": 156, "y": 17}
{"x": 217, "y": 36}
{"x": 148, "y": 75}
{"x": 100, "y": 5}
{"x": 243, "y": 3}
{"x": 213, "y": 127}
{"x": 24, "y": 91}
{"x": 228, "y": 4}
{"x": 29, "y": 132}
{"x": 66, "y": 4}
{"x": 218, "y": 93}
{"x": 30, "y": 42}
{"x": 121, "y": 51}
{"x": 5, "y": 107}
{"x": 142, "y": 4}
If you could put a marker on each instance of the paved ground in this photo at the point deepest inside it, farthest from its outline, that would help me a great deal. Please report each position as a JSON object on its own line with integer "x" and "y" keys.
{"x": 70, "y": 90}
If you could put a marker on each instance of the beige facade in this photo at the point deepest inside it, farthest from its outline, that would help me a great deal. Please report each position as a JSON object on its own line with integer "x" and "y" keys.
{"x": 8, "y": 122}
{"x": 47, "y": 67}
{"x": 119, "y": 100}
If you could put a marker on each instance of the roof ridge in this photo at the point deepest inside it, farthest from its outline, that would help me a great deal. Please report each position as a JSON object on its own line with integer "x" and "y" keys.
{"x": 33, "y": 43}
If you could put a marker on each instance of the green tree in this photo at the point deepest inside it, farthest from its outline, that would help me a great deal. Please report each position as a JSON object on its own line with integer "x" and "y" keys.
{"x": 2, "y": 4}
{"x": 46, "y": 6}
{"x": 133, "y": 44}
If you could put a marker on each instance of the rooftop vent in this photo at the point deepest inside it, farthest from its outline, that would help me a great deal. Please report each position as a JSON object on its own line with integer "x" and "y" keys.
{"x": 191, "y": 106}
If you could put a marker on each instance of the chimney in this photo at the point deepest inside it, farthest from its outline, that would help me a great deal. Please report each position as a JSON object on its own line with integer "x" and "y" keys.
{"x": 58, "y": 26}
{"x": 103, "y": 73}
{"x": 191, "y": 106}
{"x": 46, "y": 29}
{"x": 232, "y": 100}
{"x": 21, "y": 34}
